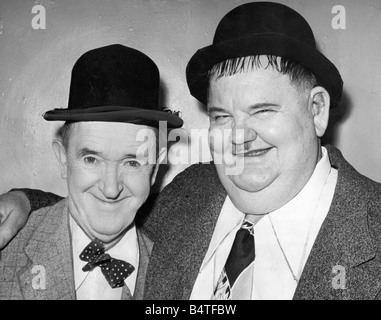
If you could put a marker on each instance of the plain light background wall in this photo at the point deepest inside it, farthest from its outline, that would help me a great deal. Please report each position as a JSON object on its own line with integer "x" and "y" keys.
{"x": 35, "y": 67}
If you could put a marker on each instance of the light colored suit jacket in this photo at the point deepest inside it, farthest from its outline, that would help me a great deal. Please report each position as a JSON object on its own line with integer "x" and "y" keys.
{"x": 38, "y": 263}
{"x": 345, "y": 261}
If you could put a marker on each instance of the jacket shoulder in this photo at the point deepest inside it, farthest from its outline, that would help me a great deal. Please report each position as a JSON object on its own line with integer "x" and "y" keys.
{"x": 13, "y": 258}
{"x": 361, "y": 191}
{"x": 192, "y": 179}
{"x": 21, "y": 239}
{"x": 196, "y": 183}
{"x": 184, "y": 199}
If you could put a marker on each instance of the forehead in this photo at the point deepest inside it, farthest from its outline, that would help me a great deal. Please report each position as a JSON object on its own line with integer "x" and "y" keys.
{"x": 257, "y": 85}
{"x": 110, "y": 136}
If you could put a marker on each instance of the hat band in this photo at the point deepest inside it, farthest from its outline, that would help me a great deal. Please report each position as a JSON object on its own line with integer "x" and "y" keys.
{"x": 101, "y": 109}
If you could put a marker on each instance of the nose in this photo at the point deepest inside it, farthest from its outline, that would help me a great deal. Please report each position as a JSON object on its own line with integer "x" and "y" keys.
{"x": 111, "y": 184}
{"x": 242, "y": 133}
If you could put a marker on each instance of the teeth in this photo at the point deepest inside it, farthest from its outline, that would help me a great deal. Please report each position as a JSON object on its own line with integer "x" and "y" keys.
{"x": 253, "y": 152}
{"x": 258, "y": 152}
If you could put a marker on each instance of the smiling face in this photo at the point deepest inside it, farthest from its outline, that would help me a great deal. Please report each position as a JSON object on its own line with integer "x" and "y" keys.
{"x": 274, "y": 131}
{"x": 107, "y": 179}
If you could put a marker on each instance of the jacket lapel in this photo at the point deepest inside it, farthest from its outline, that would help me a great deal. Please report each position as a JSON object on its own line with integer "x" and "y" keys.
{"x": 179, "y": 250}
{"x": 49, "y": 273}
{"x": 145, "y": 249}
{"x": 342, "y": 262}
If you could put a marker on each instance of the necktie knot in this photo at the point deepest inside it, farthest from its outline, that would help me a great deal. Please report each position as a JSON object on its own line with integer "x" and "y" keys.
{"x": 114, "y": 270}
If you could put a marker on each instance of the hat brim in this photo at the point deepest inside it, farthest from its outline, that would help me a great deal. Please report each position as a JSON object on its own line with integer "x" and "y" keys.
{"x": 263, "y": 44}
{"x": 115, "y": 114}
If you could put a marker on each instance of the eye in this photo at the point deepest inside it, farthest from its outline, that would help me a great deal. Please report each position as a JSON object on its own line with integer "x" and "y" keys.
{"x": 219, "y": 118}
{"x": 263, "y": 112}
{"x": 133, "y": 163}
{"x": 89, "y": 160}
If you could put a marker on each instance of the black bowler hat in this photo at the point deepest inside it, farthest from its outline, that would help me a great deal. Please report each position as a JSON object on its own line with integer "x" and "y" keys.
{"x": 263, "y": 28}
{"x": 115, "y": 84}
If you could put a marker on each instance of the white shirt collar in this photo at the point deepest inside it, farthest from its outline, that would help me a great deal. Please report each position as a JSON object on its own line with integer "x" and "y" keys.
{"x": 126, "y": 249}
{"x": 294, "y": 223}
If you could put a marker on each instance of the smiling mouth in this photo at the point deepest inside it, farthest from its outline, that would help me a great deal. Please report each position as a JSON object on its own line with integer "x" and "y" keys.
{"x": 253, "y": 153}
{"x": 110, "y": 202}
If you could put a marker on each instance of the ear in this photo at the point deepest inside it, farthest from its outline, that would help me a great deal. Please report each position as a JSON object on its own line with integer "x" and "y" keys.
{"x": 320, "y": 105}
{"x": 61, "y": 155}
{"x": 162, "y": 155}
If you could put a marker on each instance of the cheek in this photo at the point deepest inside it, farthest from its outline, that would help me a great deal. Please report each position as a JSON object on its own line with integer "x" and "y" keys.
{"x": 303, "y": 133}
{"x": 282, "y": 132}
{"x": 293, "y": 141}
{"x": 219, "y": 140}
{"x": 138, "y": 184}
{"x": 80, "y": 178}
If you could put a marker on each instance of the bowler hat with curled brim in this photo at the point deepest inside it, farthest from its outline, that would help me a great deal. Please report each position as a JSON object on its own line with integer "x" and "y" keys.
{"x": 115, "y": 83}
{"x": 263, "y": 28}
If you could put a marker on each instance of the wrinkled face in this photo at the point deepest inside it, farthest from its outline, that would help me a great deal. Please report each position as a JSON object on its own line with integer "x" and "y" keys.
{"x": 274, "y": 132}
{"x": 107, "y": 179}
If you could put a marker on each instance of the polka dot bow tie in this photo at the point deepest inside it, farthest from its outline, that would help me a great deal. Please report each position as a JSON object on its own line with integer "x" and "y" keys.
{"x": 114, "y": 270}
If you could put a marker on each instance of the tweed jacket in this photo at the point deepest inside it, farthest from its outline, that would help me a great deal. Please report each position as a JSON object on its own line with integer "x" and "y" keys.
{"x": 344, "y": 263}
{"x": 38, "y": 263}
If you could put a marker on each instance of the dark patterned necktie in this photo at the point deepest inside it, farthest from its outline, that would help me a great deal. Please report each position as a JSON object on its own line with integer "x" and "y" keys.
{"x": 236, "y": 279}
{"x": 114, "y": 270}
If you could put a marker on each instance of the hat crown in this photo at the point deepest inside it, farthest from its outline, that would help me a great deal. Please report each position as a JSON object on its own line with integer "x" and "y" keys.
{"x": 114, "y": 75}
{"x": 115, "y": 83}
{"x": 263, "y": 28}
{"x": 263, "y": 18}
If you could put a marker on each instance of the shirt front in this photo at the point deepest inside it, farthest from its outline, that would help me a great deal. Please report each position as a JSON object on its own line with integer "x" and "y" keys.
{"x": 283, "y": 239}
{"x": 92, "y": 285}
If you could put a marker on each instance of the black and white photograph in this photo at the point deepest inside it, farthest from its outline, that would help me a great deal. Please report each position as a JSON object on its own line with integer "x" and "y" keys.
{"x": 190, "y": 150}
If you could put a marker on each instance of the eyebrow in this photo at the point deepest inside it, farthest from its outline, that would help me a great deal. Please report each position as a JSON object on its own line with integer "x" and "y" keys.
{"x": 215, "y": 109}
{"x": 264, "y": 105}
{"x": 254, "y": 106}
{"x": 86, "y": 151}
